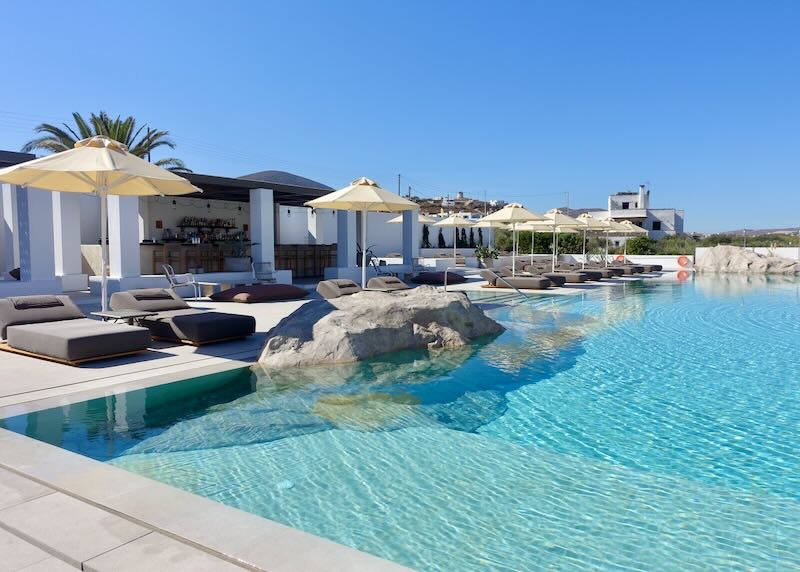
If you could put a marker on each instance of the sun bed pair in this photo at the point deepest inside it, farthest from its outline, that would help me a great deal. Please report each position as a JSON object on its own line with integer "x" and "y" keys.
{"x": 176, "y": 321}
{"x": 337, "y": 288}
{"x": 498, "y": 280}
{"x": 54, "y": 328}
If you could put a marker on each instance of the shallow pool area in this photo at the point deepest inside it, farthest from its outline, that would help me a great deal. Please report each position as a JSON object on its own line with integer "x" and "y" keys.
{"x": 640, "y": 426}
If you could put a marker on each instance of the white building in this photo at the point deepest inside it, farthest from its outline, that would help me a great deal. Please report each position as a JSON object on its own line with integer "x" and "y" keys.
{"x": 635, "y": 207}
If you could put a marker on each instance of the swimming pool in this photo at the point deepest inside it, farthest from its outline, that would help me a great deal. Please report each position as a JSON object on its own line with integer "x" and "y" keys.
{"x": 645, "y": 426}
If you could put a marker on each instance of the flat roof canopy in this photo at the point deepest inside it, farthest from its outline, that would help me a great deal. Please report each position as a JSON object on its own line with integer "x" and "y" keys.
{"x": 238, "y": 190}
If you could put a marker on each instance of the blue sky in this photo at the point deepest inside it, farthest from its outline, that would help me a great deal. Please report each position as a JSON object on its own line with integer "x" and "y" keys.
{"x": 526, "y": 100}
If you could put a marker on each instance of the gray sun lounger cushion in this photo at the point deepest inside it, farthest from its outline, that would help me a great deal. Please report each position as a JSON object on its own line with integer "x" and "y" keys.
{"x": 36, "y": 309}
{"x": 437, "y": 278}
{"x": 523, "y": 282}
{"x": 176, "y": 320}
{"x": 338, "y": 287}
{"x": 77, "y": 340}
{"x": 199, "y": 326}
{"x": 386, "y": 284}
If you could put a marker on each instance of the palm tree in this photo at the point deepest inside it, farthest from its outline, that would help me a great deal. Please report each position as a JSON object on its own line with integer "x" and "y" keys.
{"x": 141, "y": 142}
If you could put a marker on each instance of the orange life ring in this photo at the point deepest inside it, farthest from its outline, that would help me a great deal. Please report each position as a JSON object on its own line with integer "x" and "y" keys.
{"x": 682, "y": 275}
{"x": 620, "y": 258}
{"x": 683, "y": 261}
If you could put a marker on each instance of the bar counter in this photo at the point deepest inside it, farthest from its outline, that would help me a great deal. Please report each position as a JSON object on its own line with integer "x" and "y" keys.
{"x": 188, "y": 257}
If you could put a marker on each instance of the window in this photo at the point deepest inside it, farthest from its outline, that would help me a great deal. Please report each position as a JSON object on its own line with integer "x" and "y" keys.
{"x": 626, "y": 206}
{"x": 656, "y": 225}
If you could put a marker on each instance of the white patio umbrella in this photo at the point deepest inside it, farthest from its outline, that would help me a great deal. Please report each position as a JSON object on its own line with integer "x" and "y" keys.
{"x": 612, "y": 226}
{"x": 363, "y": 195}
{"x": 560, "y": 222}
{"x": 590, "y": 224}
{"x": 421, "y": 219}
{"x": 100, "y": 166}
{"x": 512, "y": 214}
{"x": 631, "y": 229}
{"x": 455, "y": 222}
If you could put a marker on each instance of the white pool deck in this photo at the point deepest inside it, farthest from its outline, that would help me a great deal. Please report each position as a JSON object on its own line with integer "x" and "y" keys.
{"x": 62, "y": 511}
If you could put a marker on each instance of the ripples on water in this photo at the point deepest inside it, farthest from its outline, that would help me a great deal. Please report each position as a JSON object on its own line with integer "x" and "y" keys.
{"x": 646, "y": 427}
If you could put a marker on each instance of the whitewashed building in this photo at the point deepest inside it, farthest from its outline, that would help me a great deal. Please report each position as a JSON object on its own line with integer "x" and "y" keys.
{"x": 635, "y": 207}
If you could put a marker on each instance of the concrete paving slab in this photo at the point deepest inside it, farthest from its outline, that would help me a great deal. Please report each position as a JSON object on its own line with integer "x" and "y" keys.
{"x": 50, "y": 565}
{"x": 15, "y": 489}
{"x": 16, "y": 553}
{"x": 68, "y": 528}
{"x": 161, "y": 553}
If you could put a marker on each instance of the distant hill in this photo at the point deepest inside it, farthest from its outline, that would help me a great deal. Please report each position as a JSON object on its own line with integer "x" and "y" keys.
{"x": 761, "y": 231}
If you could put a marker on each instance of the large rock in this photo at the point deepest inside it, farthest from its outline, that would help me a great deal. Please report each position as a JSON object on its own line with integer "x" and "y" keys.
{"x": 737, "y": 260}
{"x": 366, "y": 324}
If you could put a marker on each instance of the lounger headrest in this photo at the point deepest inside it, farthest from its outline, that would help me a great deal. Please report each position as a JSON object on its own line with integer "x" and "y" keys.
{"x": 151, "y": 294}
{"x": 30, "y": 302}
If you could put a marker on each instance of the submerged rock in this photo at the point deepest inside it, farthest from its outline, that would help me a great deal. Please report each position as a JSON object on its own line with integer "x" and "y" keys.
{"x": 366, "y": 324}
{"x": 737, "y": 260}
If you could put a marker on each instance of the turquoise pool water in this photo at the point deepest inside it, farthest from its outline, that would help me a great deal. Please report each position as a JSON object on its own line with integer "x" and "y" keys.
{"x": 644, "y": 427}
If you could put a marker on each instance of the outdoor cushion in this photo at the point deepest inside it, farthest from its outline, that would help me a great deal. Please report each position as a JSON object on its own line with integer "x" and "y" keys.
{"x": 386, "y": 283}
{"x": 35, "y": 310}
{"x": 338, "y": 287}
{"x": 78, "y": 339}
{"x": 199, "y": 326}
{"x": 15, "y": 273}
{"x": 260, "y": 293}
{"x": 523, "y": 282}
{"x": 148, "y": 300}
{"x": 437, "y": 278}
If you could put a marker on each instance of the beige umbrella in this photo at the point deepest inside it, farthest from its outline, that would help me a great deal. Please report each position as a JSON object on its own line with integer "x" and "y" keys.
{"x": 631, "y": 229}
{"x": 363, "y": 195}
{"x": 560, "y": 222}
{"x": 512, "y": 214}
{"x": 103, "y": 167}
{"x": 490, "y": 224}
{"x": 421, "y": 219}
{"x": 455, "y": 222}
{"x": 590, "y": 224}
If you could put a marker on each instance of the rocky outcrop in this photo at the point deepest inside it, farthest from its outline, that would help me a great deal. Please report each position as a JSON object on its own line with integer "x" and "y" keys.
{"x": 366, "y": 324}
{"x": 737, "y": 260}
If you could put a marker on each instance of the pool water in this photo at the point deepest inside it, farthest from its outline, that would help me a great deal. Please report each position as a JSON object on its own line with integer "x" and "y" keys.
{"x": 640, "y": 427}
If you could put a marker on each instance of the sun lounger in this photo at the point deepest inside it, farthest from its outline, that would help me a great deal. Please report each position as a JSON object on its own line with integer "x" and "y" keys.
{"x": 175, "y": 320}
{"x": 53, "y": 328}
{"x": 386, "y": 284}
{"x": 336, "y": 288}
{"x": 521, "y": 282}
{"x": 437, "y": 278}
{"x": 569, "y": 276}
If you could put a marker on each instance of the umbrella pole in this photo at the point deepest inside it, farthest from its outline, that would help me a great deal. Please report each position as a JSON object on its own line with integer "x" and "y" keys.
{"x": 584, "y": 249}
{"x": 554, "y": 246}
{"x": 364, "y": 248}
{"x": 104, "y": 249}
{"x": 606, "y": 249}
{"x": 455, "y": 241}
{"x": 533, "y": 240}
{"x": 513, "y": 249}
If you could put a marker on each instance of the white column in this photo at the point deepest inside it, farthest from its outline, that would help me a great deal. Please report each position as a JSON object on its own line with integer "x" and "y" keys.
{"x": 123, "y": 237}
{"x": 346, "y": 239}
{"x": 262, "y": 226}
{"x": 67, "y": 237}
{"x": 9, "y": 258}
{"x": 35, "y": 235}
{"x": 410, "y": 245}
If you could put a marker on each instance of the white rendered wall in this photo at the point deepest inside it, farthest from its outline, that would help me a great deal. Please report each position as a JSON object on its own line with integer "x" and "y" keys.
{"x": 293, "y": 225}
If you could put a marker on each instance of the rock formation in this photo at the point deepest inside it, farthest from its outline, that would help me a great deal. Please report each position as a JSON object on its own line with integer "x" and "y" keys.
{"x": 737, "y": 260}
{"x": 366, "y": 324}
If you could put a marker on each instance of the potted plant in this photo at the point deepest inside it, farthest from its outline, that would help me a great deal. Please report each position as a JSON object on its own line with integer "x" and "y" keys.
{"x": 239, "y": 262}
{"x": 485, "y": 254}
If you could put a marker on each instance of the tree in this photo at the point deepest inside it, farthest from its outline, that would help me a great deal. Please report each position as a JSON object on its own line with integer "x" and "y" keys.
{"x": 471, "y": 238}
{"x": 641, "y": 245}
{"x": 463, "y": 238}
{"x": 441, "y": 239}
{"x": 426, "y": 234}
{"x": 480, "y": 236}
{"x": 141, "y": 141}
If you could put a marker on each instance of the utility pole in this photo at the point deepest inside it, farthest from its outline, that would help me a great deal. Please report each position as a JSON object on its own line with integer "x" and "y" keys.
{"x": 409, "y": 191}
{"x": 398, "y": 185}
{"x": 485, "y": 204}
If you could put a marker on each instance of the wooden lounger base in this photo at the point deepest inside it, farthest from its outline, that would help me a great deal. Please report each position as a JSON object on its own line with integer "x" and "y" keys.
{"x": 197, "y": 344}
{"x": 6, "y": 348}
